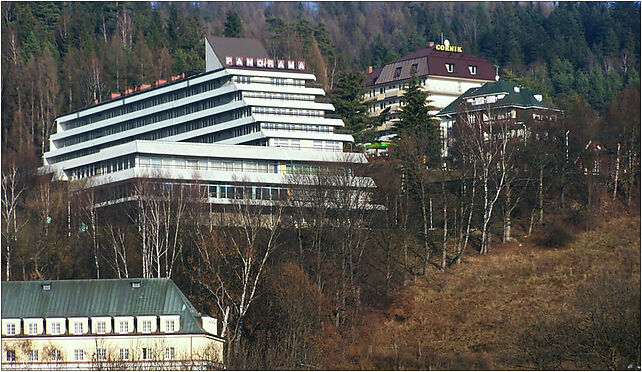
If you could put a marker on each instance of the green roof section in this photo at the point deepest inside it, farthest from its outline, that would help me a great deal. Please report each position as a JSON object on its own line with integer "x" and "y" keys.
{"x": 98, "y": 297}
{"x": 524, "y": 98}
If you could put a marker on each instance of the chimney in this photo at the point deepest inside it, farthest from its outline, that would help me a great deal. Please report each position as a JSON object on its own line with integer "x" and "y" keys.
{"x": 369, "y": 70}
{"x": 431, "y": 44}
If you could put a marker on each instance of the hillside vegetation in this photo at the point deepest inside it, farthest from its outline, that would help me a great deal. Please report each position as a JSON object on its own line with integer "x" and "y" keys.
{"x": 521, "y": 307}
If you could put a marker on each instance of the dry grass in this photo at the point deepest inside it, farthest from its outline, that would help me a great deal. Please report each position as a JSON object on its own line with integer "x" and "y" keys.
{"x": 468, "y": 317}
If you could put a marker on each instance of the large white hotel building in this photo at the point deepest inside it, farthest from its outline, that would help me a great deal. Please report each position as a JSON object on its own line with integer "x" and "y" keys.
{"x": 242, "y": 128}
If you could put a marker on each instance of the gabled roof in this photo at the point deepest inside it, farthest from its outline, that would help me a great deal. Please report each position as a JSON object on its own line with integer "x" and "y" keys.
{"x": 432, "y": 62}
{"x": 98, "y": 297}
{"x": 515, "y": 96}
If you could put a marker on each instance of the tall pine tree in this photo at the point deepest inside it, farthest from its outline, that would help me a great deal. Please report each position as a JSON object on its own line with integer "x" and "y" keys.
{"x": 416, "y": 121}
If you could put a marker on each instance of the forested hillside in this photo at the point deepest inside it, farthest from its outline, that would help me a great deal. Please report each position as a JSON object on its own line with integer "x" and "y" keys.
{"x": 61, "y": 56}
{"x": 308, "y": 289}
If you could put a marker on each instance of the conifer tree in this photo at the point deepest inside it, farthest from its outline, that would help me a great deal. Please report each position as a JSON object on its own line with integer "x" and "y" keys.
{"x": 348, "y": 101}
{"x": 415, "y": 120}
{"x": 233, "y": 26}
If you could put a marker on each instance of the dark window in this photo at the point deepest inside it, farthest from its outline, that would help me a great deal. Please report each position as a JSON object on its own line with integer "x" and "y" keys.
{"x": 413, "y": 68}
{"x": 398, "y": 72}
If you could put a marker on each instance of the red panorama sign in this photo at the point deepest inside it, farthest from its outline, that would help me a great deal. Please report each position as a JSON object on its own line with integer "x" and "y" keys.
{"x": 280, "y": 64}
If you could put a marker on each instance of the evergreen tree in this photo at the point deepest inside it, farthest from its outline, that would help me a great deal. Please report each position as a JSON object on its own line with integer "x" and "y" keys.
{"x": 233, "y": 26}
{"x": 415, "y": 120}
{"x": 348, "y": 101}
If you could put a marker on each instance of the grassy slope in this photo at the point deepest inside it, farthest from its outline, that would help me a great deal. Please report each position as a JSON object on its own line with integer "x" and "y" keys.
{"x": 468, "y": 317}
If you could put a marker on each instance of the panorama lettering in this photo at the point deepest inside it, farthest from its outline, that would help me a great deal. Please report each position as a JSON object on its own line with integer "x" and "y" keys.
{"x": 280, "y": 64}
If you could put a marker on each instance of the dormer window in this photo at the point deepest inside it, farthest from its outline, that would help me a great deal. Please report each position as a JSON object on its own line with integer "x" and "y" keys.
{"x": 11, "y": 329}
{"x": 32, "y": 328}
{"x": 46, "y": 287}
{"x": 135, "y": 284}
{"x": 397, "y": 72}
{"x": 169, "y": 326}
{"x": 473, "y": 70}
{"x": 450, "y": 67}
{"x": 413, "y": 68}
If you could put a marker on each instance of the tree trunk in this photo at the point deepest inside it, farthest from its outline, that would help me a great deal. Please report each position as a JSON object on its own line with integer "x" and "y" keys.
{"x": 541, "y": 195}
{"x": 617, "y": 171}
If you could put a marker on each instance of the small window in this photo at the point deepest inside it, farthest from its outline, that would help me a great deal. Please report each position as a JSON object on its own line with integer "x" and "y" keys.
{"x": 11, "y": 329}
{"x": 473, "y": 70}
{"x": 55, "y": 328}
{"x": 101, "y": 354}
{"x": 78, "y": 328}
{"x": 46, "y": 287}
{"x": 11, "y": 355}
{"x": 32, "y": 355}
{"x": 169, "y": 326}
{"x": 169, "y": 353}
{"x": 55, "y": 355}
{"x": 146, "y": 355}
{"x": 450, "y": 67}
{"x": 101, "y": 327}
{"x": 397, "y": 72}
{"x": 79, "y": 354}
{"x": 33, "y": 328}
{"x": 124, "y": 327}
{"x": 123, "y": 354}
{"x": 413, "y": 68}
{"x": 147, "y": 326}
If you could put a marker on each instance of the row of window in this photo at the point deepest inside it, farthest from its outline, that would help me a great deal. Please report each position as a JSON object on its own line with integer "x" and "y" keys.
{"x": 298, "y": 127}
{"x": 265, "y": 80}
{"x": 146, "y": 103}
{"x": 78, "y": 327}
{"x": 286, "y": 111}
{"x": 279, "y": 96}
{"x": 146, "y": 120}
{"x": 154, "y": 135}
{"x": 80, "y": 355}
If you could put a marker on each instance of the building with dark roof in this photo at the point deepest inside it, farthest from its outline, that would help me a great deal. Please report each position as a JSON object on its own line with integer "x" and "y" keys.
{"x": 497, "y": 101}
{"x": 105, "y": 324}
{"x": 443, "y": 70}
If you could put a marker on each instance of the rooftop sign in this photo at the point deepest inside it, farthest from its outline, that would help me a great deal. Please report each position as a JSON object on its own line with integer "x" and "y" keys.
{"x": 280, "y": 64}
{"x": 448, "y": 48}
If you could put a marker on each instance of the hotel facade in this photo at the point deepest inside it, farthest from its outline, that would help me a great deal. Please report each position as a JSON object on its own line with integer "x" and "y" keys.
{"x": 108, "y": 324}
{"x": 240, "y": 129}
{"x": 442, "y": 70}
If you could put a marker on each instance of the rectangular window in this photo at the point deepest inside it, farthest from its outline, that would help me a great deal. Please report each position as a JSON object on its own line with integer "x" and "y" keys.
{"x": 11, "y": 329}
{"x": 169, "y": 353}
{"x": 123, "y": 327}
{"x": 78, "y": 328}
{"x": 397, "y": 72}
{"x": 147, "y": 326}
{"x": 55, "y": 355}
{"x": 55, "y": 328}
{"x": 169, "y": 326}
{"x": 413, "y": 68}
{"x": 101, "y": 327}
{"x": 11, "y": 355}
{"x": 124, "y": 354}
{"x": 473, "y": 70}
{"x": 79, "y": 354}
{"x": 146, "y": 354}
{"x": 101, "y": 354}
{"x": 32, "y": 355}
{"x": 450, "y": 67}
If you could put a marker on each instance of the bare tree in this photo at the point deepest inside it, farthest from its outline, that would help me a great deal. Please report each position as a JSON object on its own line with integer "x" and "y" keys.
{"x": 234, "y": 257}
{"x": 484, "y": 138}
{"x": 12, "y": 189}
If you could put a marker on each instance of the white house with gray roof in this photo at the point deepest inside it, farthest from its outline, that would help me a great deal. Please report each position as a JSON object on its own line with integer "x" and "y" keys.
{"x": 121, "y": 324}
